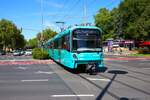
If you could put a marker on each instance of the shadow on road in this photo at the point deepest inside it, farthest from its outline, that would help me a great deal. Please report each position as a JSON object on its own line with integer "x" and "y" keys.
{"x": 115, "y": 73}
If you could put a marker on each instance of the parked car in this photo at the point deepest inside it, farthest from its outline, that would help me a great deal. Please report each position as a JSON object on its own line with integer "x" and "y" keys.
{"x": 22, "y": 52}
{"x": 28, "y": 52}
{"x": 16, "y": 52}
{"x": 2, "y": 52}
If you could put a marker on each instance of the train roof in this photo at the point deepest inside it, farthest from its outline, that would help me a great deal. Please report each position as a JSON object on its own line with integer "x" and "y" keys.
{"x": 88, "y": 27}
{"x": 66, "y": 31}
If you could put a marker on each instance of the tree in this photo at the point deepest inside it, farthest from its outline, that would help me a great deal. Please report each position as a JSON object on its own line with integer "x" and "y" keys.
{"x": 10, "y": 35}
{"x": 135, "y": 16}
{"x": 46, "y": 34}
{"x": 32, "y": 43}
{"x": 104, "y": 20}
{"x": 131, "y": 20}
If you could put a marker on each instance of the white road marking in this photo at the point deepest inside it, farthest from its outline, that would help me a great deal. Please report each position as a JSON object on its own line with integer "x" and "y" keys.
{"x": 145, "y": 68}
{"x": 98, "y": 79}
{"x": 121, "y": 61}
{"x": 42, "y": 72}
{"x": 23, "y": 68}
{"x": 40, "y": 80}
{"x": 71, "y": 95}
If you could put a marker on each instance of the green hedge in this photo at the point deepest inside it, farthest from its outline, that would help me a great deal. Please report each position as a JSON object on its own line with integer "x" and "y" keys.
{"x": 144, "y": 50}
{"x": 38, "y": 53}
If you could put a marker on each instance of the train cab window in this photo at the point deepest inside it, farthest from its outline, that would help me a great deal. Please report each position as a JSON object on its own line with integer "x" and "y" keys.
{"x": 87, "y": 40}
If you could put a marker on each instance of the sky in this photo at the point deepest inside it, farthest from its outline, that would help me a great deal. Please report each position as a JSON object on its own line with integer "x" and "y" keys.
{"x": 27, "y": 14}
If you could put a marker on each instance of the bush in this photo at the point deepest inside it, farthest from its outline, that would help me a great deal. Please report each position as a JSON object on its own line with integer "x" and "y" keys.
{"x": 144, "y": 50}
{"x": 38, "y": 53}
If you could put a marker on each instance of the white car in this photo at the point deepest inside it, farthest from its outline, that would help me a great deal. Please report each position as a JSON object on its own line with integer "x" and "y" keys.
{"x": 16, "y": 53}
{"x": 28, "y": 52}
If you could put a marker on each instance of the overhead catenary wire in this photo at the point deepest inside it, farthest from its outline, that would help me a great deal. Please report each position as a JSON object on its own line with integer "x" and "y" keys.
{"x": 70, "y": 9}
{"x": 36, "y": 30}
{"x": 60, "y": 12}
{"x": 75, "y": 5}
{"x": 92, "y": 8}
{"x": 86, "y": 16}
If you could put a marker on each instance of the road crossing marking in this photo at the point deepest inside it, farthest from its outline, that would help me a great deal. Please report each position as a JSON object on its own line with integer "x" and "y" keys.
{"x": 39, "y": 80}
{"x": 145, "y": 68}
{"x": 98, "y": 79}
{"x": 23, "y": 68}
{"x": 42, "y": 72}
{"x": 71, "y": 95}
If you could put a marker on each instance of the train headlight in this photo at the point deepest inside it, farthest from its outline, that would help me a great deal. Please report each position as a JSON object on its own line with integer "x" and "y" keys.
{"x": 75, "y": 57}
{"x": 101, "y": 55}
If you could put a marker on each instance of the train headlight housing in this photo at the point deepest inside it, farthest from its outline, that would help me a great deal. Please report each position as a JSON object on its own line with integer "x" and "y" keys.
{"x": 75, "y": 57}
{"x": 101, "y": 55}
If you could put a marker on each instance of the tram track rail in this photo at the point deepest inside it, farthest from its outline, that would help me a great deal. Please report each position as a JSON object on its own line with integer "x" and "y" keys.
{"x": 104, "y": 89}
{"x": 125, "y": 84}
{"x": 126, "y": 68}
{"x": 146, "y": 81}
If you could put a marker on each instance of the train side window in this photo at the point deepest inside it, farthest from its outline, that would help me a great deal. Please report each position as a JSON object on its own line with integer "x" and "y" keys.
{"x": 52, "y": 45}
{"x": 63, "y": 42}
{"x": 56, "y": 44}
{"x": 67, "y": 42}
{"x": 59, "y": 44}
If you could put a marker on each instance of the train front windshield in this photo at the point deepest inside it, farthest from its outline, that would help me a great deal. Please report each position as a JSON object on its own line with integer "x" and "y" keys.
{"x": 87, "y": 40}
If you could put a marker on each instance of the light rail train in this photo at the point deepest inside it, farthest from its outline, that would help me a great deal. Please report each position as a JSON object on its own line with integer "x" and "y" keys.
{"x": 78, "y": 47}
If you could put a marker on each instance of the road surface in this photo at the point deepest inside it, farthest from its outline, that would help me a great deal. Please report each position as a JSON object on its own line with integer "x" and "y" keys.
{"x": 22, "y": 78}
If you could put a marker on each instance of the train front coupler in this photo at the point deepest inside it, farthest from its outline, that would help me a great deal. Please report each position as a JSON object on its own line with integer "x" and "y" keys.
{"x": 91, "y": 68}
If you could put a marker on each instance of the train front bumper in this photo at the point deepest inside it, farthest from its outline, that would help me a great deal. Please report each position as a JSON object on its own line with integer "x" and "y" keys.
{"x": 88, "y": 58}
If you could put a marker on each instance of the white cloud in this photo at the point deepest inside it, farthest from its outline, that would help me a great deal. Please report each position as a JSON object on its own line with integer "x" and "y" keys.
{"x": 52, "y": 4}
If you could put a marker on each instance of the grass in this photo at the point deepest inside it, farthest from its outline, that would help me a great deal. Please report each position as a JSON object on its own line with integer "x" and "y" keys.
{"x": 140, "y": 55}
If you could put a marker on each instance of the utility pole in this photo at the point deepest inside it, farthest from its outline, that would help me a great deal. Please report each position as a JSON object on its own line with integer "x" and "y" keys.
{"x": 85, "y": 12}
{"x": 42, "y": 14}
{"x": 41, "y": 22}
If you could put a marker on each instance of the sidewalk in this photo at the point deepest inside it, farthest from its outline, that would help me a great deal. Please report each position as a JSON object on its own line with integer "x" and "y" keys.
{"x": 120, "y": 53}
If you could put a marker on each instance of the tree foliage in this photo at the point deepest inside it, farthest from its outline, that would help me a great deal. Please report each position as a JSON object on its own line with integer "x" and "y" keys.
{"x": 32, "y": 43}
{"x": 46, "y": 34}
{"x": 10, "y": 35}
{"x": 131, "y": 20}
{"x": 104, "y": 20}
{"x": 135, "y": 15}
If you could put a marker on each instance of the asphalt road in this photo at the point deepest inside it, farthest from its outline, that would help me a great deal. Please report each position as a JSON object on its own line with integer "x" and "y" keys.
{"x": 21, "y": 78}
{"x": 11, "y": 57}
